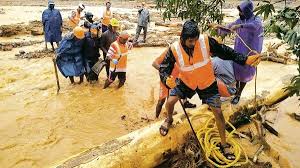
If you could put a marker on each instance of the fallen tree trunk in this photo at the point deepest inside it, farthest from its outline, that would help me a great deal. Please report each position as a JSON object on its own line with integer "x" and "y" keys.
{"x": 146, "y": 147}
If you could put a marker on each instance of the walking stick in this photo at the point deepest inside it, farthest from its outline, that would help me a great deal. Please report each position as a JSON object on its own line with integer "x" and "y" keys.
{"x": 56, "y": 75}
{"x": 189, "y": 122}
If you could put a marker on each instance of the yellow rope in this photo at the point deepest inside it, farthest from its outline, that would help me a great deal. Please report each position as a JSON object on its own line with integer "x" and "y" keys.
{"x": 209, "y": 138}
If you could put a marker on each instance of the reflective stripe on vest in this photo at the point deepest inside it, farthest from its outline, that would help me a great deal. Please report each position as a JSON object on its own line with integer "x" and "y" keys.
{"x": 205, "y": 61}
{"x": 122, "y": 58}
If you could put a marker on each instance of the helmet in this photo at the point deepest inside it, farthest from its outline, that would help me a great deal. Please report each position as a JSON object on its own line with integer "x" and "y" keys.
{"x": 89, "y": 15}
{"x": 78, "y": 32}
{"x": 114, "y": 22}
{"x": 82, "y": 6}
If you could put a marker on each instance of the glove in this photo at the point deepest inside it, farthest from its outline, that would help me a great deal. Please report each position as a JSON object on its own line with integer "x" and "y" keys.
{"x": 170, "y": 82}
{"x": 115, "y": 61}
{"x": 253, "y": 60}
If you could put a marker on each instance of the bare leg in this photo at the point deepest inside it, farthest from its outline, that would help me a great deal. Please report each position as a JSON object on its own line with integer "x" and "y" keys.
{"x": 220, "y": 121}
{"x": 52, "y": 46}
{"x": 240, "y": 88}
{"x": 164, "y": 129}
{"x": 107, "y": 83}
{"x": 170, "y": 105}
{"x": 72, "y": 79}
{"x": 81, "y": 79}
{"x": 159, "y": 105}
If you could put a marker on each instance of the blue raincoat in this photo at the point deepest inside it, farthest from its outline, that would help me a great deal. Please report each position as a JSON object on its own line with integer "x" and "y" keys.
{"x": 70, "y": 61}
{"x": 52, "y": 22}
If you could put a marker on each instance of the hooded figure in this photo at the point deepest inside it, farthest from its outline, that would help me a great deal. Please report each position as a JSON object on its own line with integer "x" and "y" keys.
{"x": 70, "y": 59}
{"x": 250, "y": 29}
{"x": 52, "y": 22}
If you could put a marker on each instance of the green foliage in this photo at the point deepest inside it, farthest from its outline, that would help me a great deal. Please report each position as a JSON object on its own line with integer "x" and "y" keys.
{"x": 265, "y": 9}
{"x": 203, "y": 12}
{"x": 286, "y": 25}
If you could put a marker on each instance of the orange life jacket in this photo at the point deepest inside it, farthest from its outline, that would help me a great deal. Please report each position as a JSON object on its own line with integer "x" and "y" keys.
{"x": 106, "y": 17}
{"x": 120, "y": 53}
{"x": 196, "y": 71}
{"x": 74, "y": 19}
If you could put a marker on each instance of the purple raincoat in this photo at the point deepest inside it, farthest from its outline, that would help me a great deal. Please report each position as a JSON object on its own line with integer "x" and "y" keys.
{"x": 252, "y": 33}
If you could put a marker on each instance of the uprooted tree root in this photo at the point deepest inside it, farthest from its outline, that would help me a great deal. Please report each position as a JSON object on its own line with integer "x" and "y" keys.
{"x": 190, "y": 155}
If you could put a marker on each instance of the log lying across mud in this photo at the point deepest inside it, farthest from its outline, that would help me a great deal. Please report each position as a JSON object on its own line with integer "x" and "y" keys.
{"x": 146, "y": 147}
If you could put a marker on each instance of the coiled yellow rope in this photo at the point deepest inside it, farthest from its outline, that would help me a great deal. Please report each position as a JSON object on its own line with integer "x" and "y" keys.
{"x": 209, "y": 138}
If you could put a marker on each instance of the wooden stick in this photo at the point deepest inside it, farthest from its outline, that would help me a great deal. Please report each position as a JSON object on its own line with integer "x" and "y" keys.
{"x": 56, "y": 75}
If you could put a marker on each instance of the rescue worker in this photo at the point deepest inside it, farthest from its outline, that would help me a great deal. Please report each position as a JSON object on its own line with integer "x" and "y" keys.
{"x": 107, "y": 15}
{"x": 69, "y": 59}
{"x": 107, "y": 39}
{"x": 88, "y": 20}
{"x": 76, "y": 16}
{"x": 196, "y": 75}
{"x": 117, "y": 54}
{"x": 91, "y": 48}
{"x": 52, "y": 25}
{"x": 250, "y": 29}
{"x": 143, "y": 21}
{"x": 164, "y": 91}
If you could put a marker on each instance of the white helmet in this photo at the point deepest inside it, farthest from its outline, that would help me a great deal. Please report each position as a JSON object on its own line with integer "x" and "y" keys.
{"x": 81, "y": 5}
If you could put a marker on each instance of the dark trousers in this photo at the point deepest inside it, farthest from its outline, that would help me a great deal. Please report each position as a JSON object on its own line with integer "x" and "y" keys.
{"x": 138, "y": 32}
{"x": 107, "y": 64}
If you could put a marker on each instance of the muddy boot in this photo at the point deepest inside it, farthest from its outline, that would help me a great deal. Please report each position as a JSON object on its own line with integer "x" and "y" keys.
{"x": 81, "y": 79}
{"x": 106, "y": 84}
{"x": 187, "y": 104}
{"x": 72, "y": 80}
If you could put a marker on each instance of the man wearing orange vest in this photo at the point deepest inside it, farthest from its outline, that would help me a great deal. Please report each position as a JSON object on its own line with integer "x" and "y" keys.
{"x": 163, "y": 90}
{"x": 107, "y": 15}
{"x": 75, "y": 18}
{"x": 196, "y": 75}
{"x": 117, "y": 54}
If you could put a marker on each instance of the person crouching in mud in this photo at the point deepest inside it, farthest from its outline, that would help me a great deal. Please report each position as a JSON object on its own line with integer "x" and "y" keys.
{"x": 117, "y": 54}
{"x": 192, "y": 53}
{"x": 69, "y": 58}
{"x": 91, "y": 48}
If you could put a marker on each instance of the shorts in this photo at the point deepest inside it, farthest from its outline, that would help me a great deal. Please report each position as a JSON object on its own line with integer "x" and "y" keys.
{"x": 163, "y": 91}
{"x": 121, "y": 76}
{"x": 209, "y": 96}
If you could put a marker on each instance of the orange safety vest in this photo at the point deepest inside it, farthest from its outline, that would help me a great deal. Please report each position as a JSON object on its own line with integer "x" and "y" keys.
{"x": 106, "y": 17}
{"x": 74, "y": 19}
{"x": 196, "y": 71}
{"x": 120, "y": 53}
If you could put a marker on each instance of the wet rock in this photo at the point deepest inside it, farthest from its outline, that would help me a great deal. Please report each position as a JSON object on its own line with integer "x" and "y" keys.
{"x": 10, "y": 45}
{"x": 22, "y": 52}
{"x": 6, "y": 47}
{"x": 2, "y": 11}
{"x": 36, "y": 54}
{"x": 37, "y": 32}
